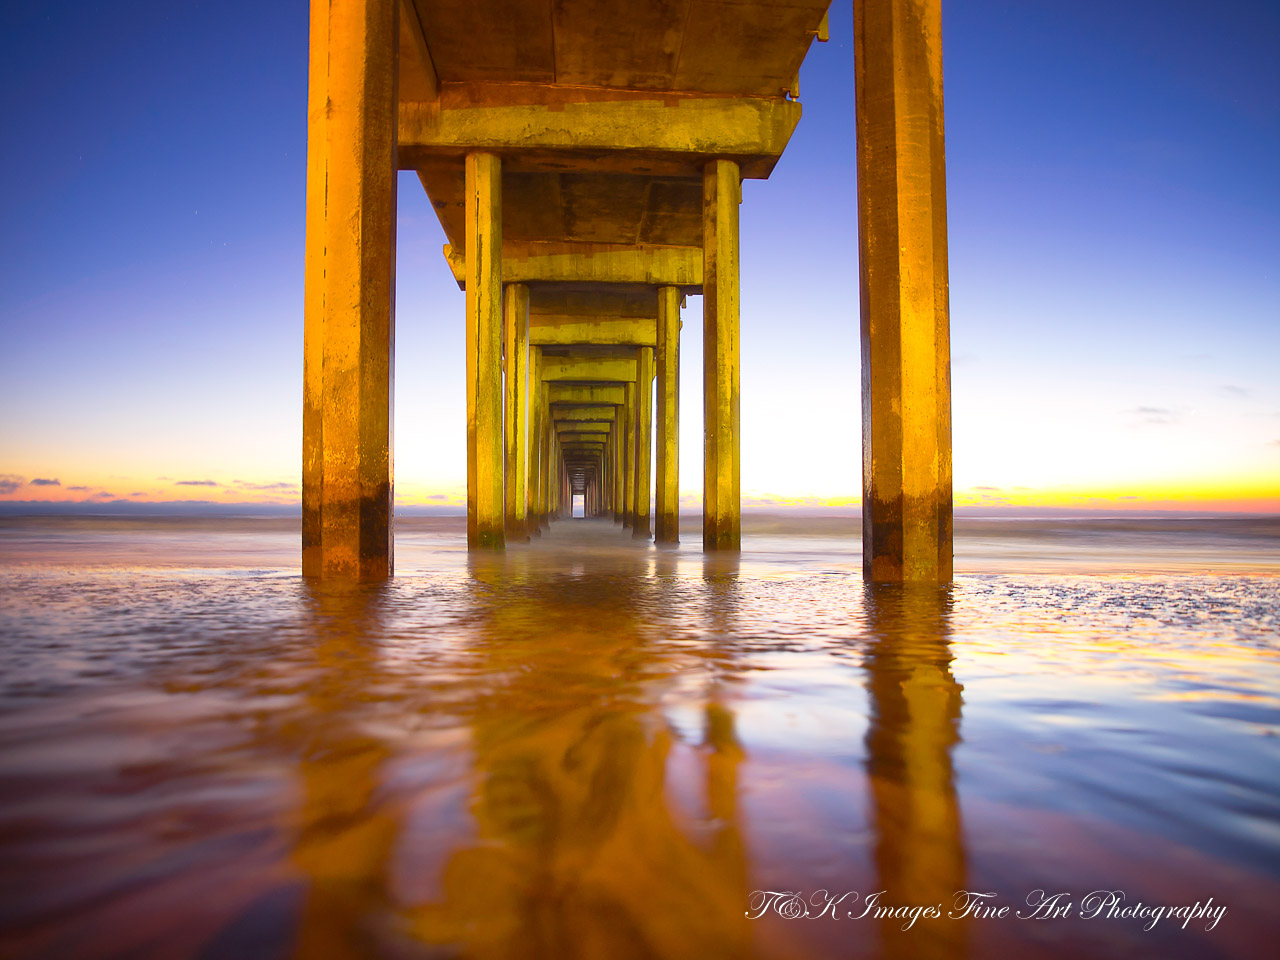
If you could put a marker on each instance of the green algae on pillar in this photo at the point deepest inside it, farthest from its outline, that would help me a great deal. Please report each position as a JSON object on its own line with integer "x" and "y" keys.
{"x": 721, "y": 472}
{"x": 349, "y": 312}
{"x": 484, "y": 351}
{"x": 667, "y": 521}
{"x": 902, "y": 246}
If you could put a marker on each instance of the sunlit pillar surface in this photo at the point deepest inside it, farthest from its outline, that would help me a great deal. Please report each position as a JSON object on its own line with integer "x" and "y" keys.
{"x": 484, "y": 351}
{"x": 484, "y": 345}
{"x": 515, "y": 428}
{"x": 667, "y": 521}
{"x": 644, "y": 442}
{"x": 349, "y": 312}
{"x": 721, "y": 512}
{"x": 629, "y": 456}
{"x": 902, "y": 245}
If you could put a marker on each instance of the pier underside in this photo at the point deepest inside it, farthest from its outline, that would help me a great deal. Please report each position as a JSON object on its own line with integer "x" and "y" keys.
{"x": 585, "y": 160}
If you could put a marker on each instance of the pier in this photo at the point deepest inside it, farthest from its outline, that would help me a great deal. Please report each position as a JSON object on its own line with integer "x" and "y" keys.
{"x": 585, "y": 160}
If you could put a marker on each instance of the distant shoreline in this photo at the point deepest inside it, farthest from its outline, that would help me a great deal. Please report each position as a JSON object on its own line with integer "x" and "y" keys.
{"x": 204, "y": 508}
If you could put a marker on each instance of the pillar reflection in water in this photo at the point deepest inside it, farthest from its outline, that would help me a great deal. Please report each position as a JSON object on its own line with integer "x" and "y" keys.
{"x": 578, "y": 853}
{"x": 914, "y": 724}
{"x": 345, "y": 833}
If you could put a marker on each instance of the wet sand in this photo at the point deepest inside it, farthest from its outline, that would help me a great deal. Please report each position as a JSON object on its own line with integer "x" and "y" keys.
{"x": 591, "y": 747}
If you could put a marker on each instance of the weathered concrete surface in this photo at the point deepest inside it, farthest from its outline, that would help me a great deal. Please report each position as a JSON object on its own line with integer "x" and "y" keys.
{"x": 515, "y": 318}
{"x": 485, "y": 522}
{"x": 667, "y": 419}
{"x": 721, "y": 498}
{"x": 902, "y": 241}
{"x": 349, "y": 326}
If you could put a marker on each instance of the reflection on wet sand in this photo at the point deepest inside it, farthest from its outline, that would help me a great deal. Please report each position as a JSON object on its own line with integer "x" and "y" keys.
{"x": 346, "y": 829}
{"x": 577, "y": 853}
{"x": 915, "y": 721}
{"x": 592, "y": 749}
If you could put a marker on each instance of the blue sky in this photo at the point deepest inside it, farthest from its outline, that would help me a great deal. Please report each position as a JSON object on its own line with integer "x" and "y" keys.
{"x": 1114, "y": 235}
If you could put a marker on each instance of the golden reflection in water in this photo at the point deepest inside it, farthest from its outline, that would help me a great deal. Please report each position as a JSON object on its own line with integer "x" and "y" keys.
{"x": 578, "y": 853}
{"x": 915, "y": 705}
{"x": 345, "y": 835}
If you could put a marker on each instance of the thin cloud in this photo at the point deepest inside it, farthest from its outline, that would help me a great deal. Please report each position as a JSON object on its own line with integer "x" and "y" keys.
{"x": 438, "y": 496}
{"x": 46, "y": 482}
{"x": 1157, "y": 415}
{"x": 992, "y": 489}
{"x": 79, "y": 489}
{"x": 280, "y": 485}
{"x": 10, "y": 482}
{"x": 196, "y": 483}
{"x": 1231, "y": 390}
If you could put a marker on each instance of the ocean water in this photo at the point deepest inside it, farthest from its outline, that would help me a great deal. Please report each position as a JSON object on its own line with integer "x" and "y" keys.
{"x": 590, "y": 747}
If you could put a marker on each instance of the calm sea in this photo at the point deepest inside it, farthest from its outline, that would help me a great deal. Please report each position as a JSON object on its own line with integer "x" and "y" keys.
{"x": 590, "y": 747}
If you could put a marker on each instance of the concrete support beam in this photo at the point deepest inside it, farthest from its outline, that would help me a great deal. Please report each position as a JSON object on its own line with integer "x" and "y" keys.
{"x": 902, "y": 244}
{"x": 485, "y": 522}
{"x": 515, "y": 421}
{"x": 667, "y": 521}
{"x": 418, "y": 79}
{"x": 585, "y": 369}
{"x": 550, "y": 330}
{"x": 548, "y": 261}
{"x": 586, "y": 393}
{"x": 599, "y": 413}
{"x": 721, "y": 498}
{"x": 349, "y": 312}
{"x": 644, "y": 443}
{"x": 547, "y": 126}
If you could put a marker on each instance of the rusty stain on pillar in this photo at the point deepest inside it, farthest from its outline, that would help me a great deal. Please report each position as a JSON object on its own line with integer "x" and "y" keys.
{"x": 902, "y": 244}
{"x": 721, "y": 498}
{"x": 644, "y": 442}
{"x": 484, "y": 346}
{"x": 667, "y": 520}
{"x": 349, "y": 312}
{"x": 515, "y": 421}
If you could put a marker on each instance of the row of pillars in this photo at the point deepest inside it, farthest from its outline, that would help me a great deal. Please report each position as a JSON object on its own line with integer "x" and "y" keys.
{"x": 352, "y": 166}
{"x": 502, "y": 500}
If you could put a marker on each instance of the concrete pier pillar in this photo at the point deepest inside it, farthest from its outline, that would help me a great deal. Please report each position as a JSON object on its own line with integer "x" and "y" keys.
{"x": 644, "y": 443}
{"x": 619, "y": 464}
{"x": 535, "y": 441}
{"x": 349, "y": 311}
{"x": 515, "y": 422}
{"x": 485, "y": 521}
{"x": 548, "y": 455}
{"x": 721, "y": 498}
{"x": 902, "y": 245}
{"x": 629, "y": 456}
{"x": 667, "y": 519}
